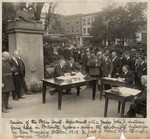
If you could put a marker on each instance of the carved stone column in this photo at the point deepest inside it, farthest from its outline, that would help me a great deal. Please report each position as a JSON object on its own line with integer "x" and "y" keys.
{"x": 27, "y": 36}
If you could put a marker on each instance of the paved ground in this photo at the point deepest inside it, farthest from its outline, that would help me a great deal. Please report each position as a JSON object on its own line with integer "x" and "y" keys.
{"x": 72, "y": 106}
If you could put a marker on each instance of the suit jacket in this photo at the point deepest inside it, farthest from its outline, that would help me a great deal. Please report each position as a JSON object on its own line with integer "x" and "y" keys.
{"x": 121, "y": 64}
{"x": 22, "y": 67}
{"x": 7, "y": 78}
{"x": 130, "y": 63}
{"x": 94, "y": 66}
{"x": 75, "y": 67}
{"x": 59, "y": 71}
{"x": 115, "y": 63}
{"x": 129, "y": 78}
{"x": 143, "y": 97}
{"x": 15, "y": 67}
{"x": 107, "y": 67}
{"x": 142, "y": 70}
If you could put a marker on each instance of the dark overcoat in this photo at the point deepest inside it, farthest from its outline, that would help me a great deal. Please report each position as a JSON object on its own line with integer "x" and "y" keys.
{"x": 7, "y": 78}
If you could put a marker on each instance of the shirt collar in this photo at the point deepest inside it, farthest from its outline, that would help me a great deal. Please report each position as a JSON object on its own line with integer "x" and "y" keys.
{"x": 126, "y": 72}
{"x": 128, "y": 58}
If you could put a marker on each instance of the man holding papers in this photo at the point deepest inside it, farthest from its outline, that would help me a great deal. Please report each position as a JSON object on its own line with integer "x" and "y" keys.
{"x": 138, "y": 101}
{"x": 128, "y": 76}
{"x": 60, "y": 70}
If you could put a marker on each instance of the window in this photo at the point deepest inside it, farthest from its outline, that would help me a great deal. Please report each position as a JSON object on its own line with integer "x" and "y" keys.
{"x": 67, "y": 22}
{"x": 88, "y": 22}
{"x": 84, "y": 22}
{"x": 89, "y": 30}
{"x": 68, "y": 30}
{"x": 77, "y": 21}
{"x": 77, "y": 30}
{"x": 84, "y": 30}
{"x": 72, "y": 29}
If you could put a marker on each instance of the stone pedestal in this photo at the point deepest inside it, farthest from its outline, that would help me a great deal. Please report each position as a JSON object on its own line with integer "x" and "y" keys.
{"x": 28, "y": 37}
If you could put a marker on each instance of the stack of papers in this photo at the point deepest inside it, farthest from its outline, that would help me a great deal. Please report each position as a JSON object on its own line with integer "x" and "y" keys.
{"x": 128, "y": 91}
{"x": 113, "y": 79}
{"x": 69, "y": 77}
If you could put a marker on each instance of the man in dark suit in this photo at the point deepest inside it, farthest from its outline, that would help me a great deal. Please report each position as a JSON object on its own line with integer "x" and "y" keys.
{"x": 16, "y": 76}
{"x": 107, "y": 66}
{"x": 140, "y": 69}
{"x": 129, "y": 61}
{"x": 7, "y": 82}
{"x": 67, "y": 53}
{"x": 138, "y": 101}
{"x": 22, "y": 73}
{"x": 128, "y": 76}
{"x": 115, "y": 62}
{"x": 121, "y": 62}
{"x": 72, "y": 66}
{"x": 60, "y": 69}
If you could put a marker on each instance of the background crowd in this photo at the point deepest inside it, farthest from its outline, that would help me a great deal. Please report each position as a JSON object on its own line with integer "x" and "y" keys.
{"x": 103, "y": 62}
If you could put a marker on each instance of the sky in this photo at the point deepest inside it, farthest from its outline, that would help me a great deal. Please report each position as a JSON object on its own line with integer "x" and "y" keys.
{"x": 76, "y": 8}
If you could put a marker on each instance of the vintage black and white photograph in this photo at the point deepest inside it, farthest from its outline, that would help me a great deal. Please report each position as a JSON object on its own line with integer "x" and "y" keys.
{"x": 74, "y": 59}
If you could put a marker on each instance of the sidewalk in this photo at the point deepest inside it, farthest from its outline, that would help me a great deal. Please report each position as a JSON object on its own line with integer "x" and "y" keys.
{"x": 72, "y": 106}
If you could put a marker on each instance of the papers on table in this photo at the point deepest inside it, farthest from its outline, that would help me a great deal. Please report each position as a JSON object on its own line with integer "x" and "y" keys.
{"x": 125, "y": 91}
{"x": 114, "y": 79}
{"x": 69, "y": 77}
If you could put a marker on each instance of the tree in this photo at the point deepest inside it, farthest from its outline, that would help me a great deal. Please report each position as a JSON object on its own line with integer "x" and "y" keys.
{"x": 8, "y": 12}
{"x": 121, "y": 22}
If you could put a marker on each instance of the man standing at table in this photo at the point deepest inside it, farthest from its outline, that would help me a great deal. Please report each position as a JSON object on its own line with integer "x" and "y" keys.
{"x": 107, "y": 68}
{"x": 115, "y": 62}
{"x": 138, "y": 101}
{"x": 7, "y": 82}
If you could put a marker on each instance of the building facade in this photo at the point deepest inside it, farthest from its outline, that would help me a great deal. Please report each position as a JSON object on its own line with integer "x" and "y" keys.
{"x": 87, "y": 21}
{"x": 73, "y": 28}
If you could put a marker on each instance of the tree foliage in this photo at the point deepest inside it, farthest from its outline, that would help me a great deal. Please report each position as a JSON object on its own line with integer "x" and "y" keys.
{"x": 8, "y": 12}
{"x": 121, "y": 22}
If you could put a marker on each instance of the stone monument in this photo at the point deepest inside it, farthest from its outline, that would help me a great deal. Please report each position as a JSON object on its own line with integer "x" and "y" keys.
{"x": 27, "y": 35}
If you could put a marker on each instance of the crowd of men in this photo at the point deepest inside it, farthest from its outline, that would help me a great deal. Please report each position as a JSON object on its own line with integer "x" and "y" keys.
{"x": 103, "y": 63}
{"x": 96, "y": 63}
{"x": 13, "y": 78}
{"x": 132, "y": 69}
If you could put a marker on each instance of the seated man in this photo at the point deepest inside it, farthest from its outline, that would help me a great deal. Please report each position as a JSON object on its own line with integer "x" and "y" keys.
{"x": 72, "y": 66}
{"x": 60, "y": 70}
{"x": 127, "y": 76}
{"x": 138, "y": 101}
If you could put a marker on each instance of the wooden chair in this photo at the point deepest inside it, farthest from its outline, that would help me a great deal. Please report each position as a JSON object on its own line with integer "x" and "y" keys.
{"x": 49, "y": 72}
